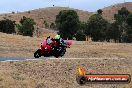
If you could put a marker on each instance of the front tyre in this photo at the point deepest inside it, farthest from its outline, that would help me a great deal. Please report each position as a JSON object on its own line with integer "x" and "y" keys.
{"x": 37, "y": 54}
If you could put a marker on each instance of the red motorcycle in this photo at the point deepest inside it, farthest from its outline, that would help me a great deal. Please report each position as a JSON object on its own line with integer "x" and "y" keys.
{"x": 53, "y": 49}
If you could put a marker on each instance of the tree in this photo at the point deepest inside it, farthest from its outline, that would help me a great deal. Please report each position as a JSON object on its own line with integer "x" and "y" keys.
{"x": 83, "y": 26}
{"x": 67, "y": 22}
{"x": 113, "y": 32}
{"x": 13, "y": 12}
{"x": 129, "y": 19}
{"x": 29, "y": 12}
{"x": 97, "y": 27}
{"x": 121, "y": 22}
{"x": 121, "y": 16}
{"x": 26, "y": 26}
{"x": 7, "y": 26}
{"x": 100, "y": 11}
{"x": 129, "y": 28}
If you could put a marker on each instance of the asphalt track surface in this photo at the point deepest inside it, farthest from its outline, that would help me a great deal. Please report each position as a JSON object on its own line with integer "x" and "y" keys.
{"x": 5, "y": 58}
{"x": 23, "y": 58}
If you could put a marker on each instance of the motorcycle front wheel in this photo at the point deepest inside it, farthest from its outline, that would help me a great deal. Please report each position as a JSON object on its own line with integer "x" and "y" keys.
{"x": 37, "y": 54}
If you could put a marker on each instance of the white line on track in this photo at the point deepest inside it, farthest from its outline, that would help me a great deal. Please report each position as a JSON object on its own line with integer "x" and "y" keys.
{"x": 103, "y": 58}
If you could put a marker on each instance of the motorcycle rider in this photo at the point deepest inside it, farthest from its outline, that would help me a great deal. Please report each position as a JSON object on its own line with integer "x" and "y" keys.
{"x": 57, "y": 38}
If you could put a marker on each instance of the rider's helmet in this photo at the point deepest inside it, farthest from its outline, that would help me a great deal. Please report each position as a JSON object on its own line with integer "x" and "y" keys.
{"x": 57, "y": 36}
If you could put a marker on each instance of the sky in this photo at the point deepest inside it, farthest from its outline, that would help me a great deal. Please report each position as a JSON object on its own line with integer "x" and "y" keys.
{"x": 8, "y": 6}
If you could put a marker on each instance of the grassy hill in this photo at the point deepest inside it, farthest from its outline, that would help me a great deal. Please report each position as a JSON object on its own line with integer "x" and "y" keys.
{"x": 44, "y": 14}
{"x": 49, "y": 14}
{"x": 108, "y": 12}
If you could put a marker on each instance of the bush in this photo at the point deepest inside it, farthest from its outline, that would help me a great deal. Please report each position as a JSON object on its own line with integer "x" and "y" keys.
{"x": 26, "y": 27}
{"x": 80, "y": 36}
{"x": 7, "y": 26}
{"x": 46, "y": 24}
{"x": 52, "y": 26}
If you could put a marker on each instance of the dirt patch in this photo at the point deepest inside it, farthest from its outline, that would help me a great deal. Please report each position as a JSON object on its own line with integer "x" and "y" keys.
{"x": 60, "y": 73}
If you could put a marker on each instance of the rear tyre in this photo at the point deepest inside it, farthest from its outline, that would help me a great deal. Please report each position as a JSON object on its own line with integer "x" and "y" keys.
{"x": 63, "y": 52}
{"x": 56, "y": 53}
{"x": 37, "y": 54}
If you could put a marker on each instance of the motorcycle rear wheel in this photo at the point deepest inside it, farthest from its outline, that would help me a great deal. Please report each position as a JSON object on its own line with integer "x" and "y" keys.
{"x": 63, "y": 52}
